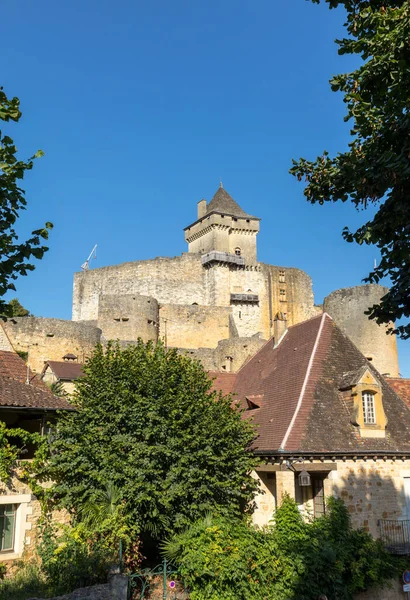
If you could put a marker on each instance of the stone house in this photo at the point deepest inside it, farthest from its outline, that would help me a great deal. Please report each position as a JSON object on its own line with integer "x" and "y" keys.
{"x": 328, "y": 423}
{"x": 66, "y": 371}
{"x": 27, "y": 403}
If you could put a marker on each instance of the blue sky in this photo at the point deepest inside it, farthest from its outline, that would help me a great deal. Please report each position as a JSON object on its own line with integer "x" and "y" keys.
{"x": 143, "y": 107}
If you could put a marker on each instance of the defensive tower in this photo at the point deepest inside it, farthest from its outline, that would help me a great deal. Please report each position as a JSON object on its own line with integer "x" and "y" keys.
{"x": 347, "y": 307}
{"x": 222, "y": 227}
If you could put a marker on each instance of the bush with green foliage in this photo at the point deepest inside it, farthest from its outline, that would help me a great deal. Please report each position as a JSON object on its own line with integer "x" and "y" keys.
{"x": 73, "y": 557}
{"x": 220, "y": 558}
{"x": 148, "y": 422}
{"x": 27, "y": 581}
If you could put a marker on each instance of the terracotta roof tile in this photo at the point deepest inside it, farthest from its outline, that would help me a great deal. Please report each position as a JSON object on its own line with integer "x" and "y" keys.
{"x": 67, "y": 371}
{"x": 223, "y": 382}
{"x": 401, "y": 386}
{"x": 14, "y": 390}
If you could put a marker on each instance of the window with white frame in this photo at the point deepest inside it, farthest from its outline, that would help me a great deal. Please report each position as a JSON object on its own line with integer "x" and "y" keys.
{"x": 369, "y": 415}
{"x": 7, "y": 527}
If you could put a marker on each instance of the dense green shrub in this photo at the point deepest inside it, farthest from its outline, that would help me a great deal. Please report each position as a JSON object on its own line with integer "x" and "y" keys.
{"x": 73, "y": 558}
{"x": 26, "y": 582}
{"x": 220, "y": 558}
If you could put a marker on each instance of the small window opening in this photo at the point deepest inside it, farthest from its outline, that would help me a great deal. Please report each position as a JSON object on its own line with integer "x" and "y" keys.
{"x": 281, "y": 276}
{"x": 150, "y": 321}
{"x": 237, "y": 251}
{"x": 7, "y": 526}
{"x": 369, "y": 415}
{"x": 50, "y": 334}
{"x": 125, "y": 319}
{"x": 117, "y": 319}
{"x": 282, "y": 295}
{"x": 369, "y": 358}
{"x": 240, "y": 314}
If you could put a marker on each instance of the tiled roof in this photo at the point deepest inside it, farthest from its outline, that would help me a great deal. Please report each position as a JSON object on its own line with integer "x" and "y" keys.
{"x": 222, "y": 202}
{"x": 223, "y": 382}
{"x": 14, "y": 391}
{"x": 67, "y": 371}
{"x": 279, "y": 374}
{"x": 401, "y": 386}
{"x": 301, "y": 406}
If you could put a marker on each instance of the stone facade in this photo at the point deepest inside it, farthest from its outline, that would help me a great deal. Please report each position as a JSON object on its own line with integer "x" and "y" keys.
{"x": 50, "y": 339}
{"x": 371, "y": 488}
{"x": 28, "y": 513}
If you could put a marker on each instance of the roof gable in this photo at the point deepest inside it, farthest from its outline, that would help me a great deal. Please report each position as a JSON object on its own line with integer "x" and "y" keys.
{"x": 222, "y": 202}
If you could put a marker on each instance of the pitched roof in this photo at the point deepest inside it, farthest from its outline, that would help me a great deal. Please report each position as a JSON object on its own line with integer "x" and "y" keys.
{"x": 401, "y": 386}
{"x": 301, "y": 406}
{"x": 67, "y": 371}
{"x": 222, "y": 382}
{"x": 14, "y": 391}
{"x": 222, "y": 202}
{"x": 280, "y": 374}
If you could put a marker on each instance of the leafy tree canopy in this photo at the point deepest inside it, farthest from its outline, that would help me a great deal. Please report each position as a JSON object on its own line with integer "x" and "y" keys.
{"x": 15, "y": 256}
{"x": 16, "y": 309}
{"x": 148, "y": 424}
{"x": 376, "y": 167}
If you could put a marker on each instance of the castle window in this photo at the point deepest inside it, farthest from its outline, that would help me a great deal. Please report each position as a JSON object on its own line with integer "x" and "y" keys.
{"x": 237, "y": 251}
{"x": 282, "y": 295}
{"x": 281, "y": 276}
{"x": 369, "y": 415}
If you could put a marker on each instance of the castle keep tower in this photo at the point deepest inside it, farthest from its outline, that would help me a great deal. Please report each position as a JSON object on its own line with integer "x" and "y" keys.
{"x": 223, "y": 227}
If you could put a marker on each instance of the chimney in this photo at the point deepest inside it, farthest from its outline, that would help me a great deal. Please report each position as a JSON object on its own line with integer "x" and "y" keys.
{"x": 201, "y": 208}
{"x": 279, "y": 328}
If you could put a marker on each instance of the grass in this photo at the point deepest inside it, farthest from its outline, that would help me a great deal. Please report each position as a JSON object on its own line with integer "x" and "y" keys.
{"x": 26, "y": 582}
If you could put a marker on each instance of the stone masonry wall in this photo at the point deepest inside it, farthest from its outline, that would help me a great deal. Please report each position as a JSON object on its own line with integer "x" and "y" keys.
{"x": 50, "y": 339}
{"x": 371, "y": 489}
{"x": 193, "y": 326}
{"x": 169, "y": 280}
{"x": 128, "y": 317}
{"x": 346, "y": 307}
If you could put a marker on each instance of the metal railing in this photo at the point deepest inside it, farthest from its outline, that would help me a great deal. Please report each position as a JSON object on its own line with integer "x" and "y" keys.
{"x": 395, "y": 535}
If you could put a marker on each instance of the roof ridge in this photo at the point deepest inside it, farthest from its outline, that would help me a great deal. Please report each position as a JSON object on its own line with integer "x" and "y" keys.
{"x": 305, "y": 381}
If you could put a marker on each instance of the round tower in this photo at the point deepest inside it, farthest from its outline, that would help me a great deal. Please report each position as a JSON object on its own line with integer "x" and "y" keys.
{"x": 347, "y": 307}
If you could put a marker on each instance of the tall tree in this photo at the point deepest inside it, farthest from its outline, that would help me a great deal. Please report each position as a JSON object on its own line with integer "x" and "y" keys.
{"x": 15, "y": 256}
{"x": 376, "y": 167}
{"x": 149, "y": 424}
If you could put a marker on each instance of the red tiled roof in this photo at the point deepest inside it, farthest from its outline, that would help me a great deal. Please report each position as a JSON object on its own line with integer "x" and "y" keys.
{"x": 14, "y": 390}
{"x": 401, "y": 386}
{"x": 280, "y": 374}
{"x": 294, "y": 394}
{"x": 67, "y": 371}
{"x": 223, "y": 382}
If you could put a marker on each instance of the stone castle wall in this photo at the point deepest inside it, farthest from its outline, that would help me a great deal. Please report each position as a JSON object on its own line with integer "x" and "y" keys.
{"x": 229, "y": 355}
{"x": 50, "y": 339}
{"x": 346, "y": 307}
{"x": 169, "y": 280}
{"x": 128, "y": 317}
{"x": 193, "y": 326}
{"x": 184, "y": 281}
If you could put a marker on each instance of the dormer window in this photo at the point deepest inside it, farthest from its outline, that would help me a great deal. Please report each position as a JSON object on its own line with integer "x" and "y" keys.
{"x": 369, "y": 415}
{"x": 237, "y": 251}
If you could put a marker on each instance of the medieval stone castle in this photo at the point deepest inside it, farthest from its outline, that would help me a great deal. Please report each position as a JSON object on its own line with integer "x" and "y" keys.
{"x": 216, "y": 302}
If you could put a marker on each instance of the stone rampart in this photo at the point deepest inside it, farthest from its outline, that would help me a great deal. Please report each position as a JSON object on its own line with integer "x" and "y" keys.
{"x": 176, "y": 280}
{"x": 346, "y": 307}
{"x": 193, "y": 326}
{"x": 50, "y": 339}
{"x": 128, "y": 317}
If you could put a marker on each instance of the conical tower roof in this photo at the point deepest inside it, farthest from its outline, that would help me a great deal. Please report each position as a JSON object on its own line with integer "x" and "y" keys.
{"x": 222, "y": 202}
